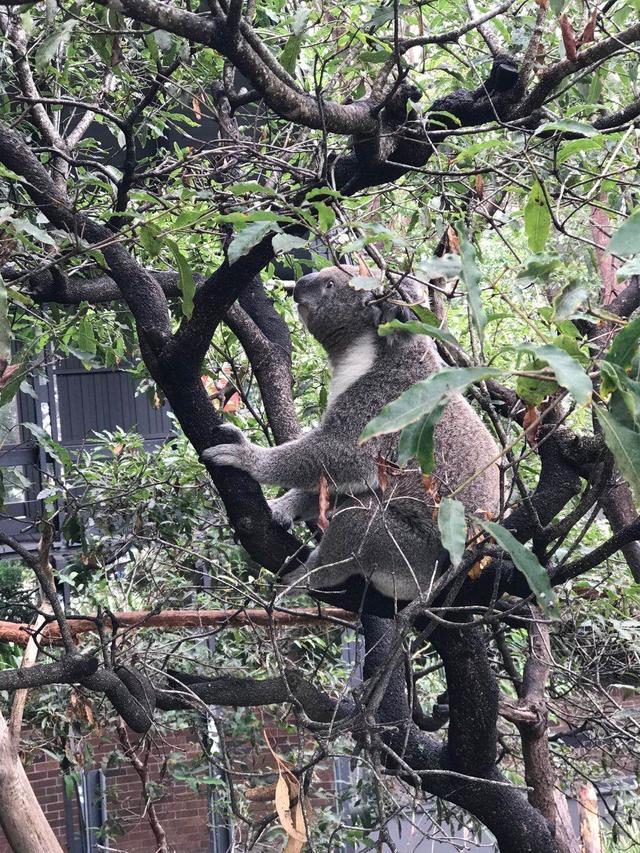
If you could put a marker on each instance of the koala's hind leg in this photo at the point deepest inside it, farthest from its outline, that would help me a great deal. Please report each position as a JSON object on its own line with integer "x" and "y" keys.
{"x": 317, "y": 574}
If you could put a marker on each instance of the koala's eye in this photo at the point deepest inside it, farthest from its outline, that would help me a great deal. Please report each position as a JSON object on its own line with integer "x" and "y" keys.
{"x": 329, "y": 284}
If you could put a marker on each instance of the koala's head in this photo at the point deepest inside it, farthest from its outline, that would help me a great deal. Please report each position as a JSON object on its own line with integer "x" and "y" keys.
{"x": 335, "y": 313}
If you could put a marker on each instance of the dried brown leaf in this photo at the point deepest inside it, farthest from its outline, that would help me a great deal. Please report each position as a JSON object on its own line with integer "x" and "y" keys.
{"x": 323, "y": 502}
{"x": 568, "y": 37}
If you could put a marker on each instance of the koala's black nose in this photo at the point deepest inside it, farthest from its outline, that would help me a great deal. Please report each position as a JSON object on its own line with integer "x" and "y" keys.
{"x": 303, "y": 286}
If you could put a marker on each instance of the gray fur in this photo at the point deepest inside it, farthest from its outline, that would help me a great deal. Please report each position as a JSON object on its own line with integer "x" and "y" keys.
{"x": 388, "y": 535}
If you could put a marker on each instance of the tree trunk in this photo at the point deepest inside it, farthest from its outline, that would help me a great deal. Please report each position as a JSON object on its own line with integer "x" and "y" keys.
{"x": 589, "y": 818}
{"x": 21, "y": 817}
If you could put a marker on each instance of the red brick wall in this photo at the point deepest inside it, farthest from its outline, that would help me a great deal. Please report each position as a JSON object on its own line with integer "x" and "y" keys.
{"x": 182, "y": 812}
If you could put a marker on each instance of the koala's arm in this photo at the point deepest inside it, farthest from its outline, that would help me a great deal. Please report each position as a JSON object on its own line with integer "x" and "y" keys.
{"x": 295, "y": 505}
{"x": 299, "y": 464}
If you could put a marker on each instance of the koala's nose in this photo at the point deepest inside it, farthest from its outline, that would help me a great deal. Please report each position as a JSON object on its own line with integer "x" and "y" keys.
{"x": 303, "y": 288}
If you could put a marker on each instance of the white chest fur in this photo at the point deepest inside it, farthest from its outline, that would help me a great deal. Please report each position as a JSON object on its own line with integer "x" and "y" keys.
{"x": 353, "y": 363}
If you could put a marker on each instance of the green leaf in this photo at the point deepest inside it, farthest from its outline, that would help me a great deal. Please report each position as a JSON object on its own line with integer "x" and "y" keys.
{"x": 85, "y": 337}
{"x": 447, "y": 266}
{"x": 185, "y": 278}
{"x": 567, "y": 125}
{"x": 568, "y": 371}
{"x": 578, "y": 146}
{"x": 424, "y": 397}
{"x": 54, "y": 42}
{"x": 416, "y": 328}
{"x": 624, "y": 444}
{"x": 290, "y": 53}
{"x": 147, "y": 234}
{"x": 5, "y": 326}
{"x": 375, "y": 56}
{"x": 452, "y": 525}
{"x": 417, "y": 441}
{"x": 23, "y": 226}
{"x": 287, "y": 242}
{"x": 624, "y": 405}
{"x": 251, "y": 188}
{"x": 55, "y": 450}
{"x": 326, "y": 216}
{"x": 626, "y": 240}
{"x": 539, "y": 268}
{"x": 625, "y": 345}
{"x": 537, "y": 219}
{"x": 526, "y": 562}
{"x": 471, "y": 278}
{"x": 570, "y": 298}
{"x": 246, "y": 239}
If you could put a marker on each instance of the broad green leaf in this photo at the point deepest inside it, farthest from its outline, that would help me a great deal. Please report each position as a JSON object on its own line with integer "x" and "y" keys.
{"x": 185, "y": 278}
{"x": 578, "y": 146}
{"x": 424, "y": 397}
{"x": 53, "y": 42}
{"x": 23, "y": 226}
{"x": 290, "y": 53}
{"x": 55, "y": 450}
{"x": 416, "y": 328}
{"x": 570, "y": 298}
{"x": 417, "y": 441}
{"x": 631, "y": 267}
{"x": 375, "y": 56}
{"x": 626, "y": 240}
{"x": 250, "y": 187}
{"x": 625, "y": 345}
{"x": 471, "y": 278}
{"x": 148, "y": 236}
{"x": 326, "y": 216}
{"x": 539, "y": 268}
{"x": 287, "y": 242}
{"x": 624, "y": 444}
{"x": 447, "y": 266}
{"x": 526, "y": 562}
{"x": 452, "y": 525}
{"x": 537, "y": 218}
{"x": 568, "y": 125}
{"x": 85, "y": 336}
{"x": 246, "y": 239}
{"x": 624, "y": 405}
{"x": 5, "y": 326}
{"x": 568, "y": 371}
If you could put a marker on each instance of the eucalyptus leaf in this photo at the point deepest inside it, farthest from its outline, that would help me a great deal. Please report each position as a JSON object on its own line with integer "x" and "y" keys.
{"x": 246, "y": 239}
{"x": 624, "y": 444}
{"x": 287, "y": 242}
{"x": 452, "y": 525}
{"x": 626, "y": 240}
{"x": 537, "y": 218}
{"x": 415, "y": 327}
{"x": 567, "y": 370}
{"x": 471, "y": 278}
{"x": 424, "y": 397}
{"x": 185, "y": 278}
{"x": 527, "y": 563}
{"x": 417, "y": 441}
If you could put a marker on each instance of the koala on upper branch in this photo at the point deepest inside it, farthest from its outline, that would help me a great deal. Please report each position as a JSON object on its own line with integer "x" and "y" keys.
{"x": 382, "y": 525}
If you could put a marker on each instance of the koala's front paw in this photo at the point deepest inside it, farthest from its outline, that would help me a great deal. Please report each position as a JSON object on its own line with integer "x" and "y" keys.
{"x": 237, "y": 455}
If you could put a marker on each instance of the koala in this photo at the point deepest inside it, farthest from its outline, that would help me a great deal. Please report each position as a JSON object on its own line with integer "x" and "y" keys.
{"x": 383, "y": 523}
